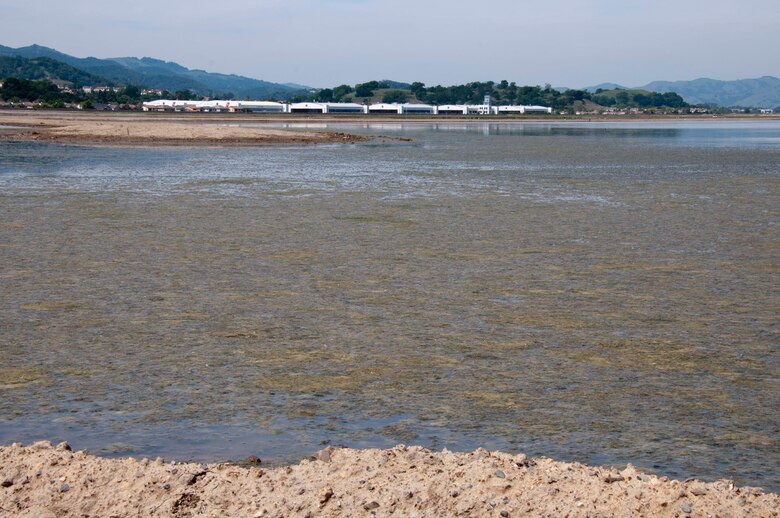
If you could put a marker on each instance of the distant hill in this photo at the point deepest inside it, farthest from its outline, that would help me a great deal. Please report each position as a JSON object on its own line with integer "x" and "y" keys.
{"x": 763, "y": 92}
{"x": 608, "y": 86}
{"x": 165, "y": 75}
{"x": 45, "y": 68}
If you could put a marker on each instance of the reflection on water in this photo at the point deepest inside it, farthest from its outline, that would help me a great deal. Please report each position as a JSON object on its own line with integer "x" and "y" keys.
{"x": 586, "y": 293}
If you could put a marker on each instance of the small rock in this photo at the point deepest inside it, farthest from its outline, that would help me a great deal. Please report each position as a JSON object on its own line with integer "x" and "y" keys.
{"x": 175, "y": 470}
{"x": 166, "y": 486}
{"x": 326, "y": 495}
{"x": 64, "y": 488}
{"x": 454, "y": 494}
{"x": 324, "y": 454}
{"x": 500, "y": 474}
{"x": 504, "y": 514}
{"x": 609, "y": 479}
{"x": 64, "y": 446}
{"x": 371, "y": 505}
{"x": 7, "y": 483}
{"x": 253, "y": 460}
{"x": 686, "y": 508}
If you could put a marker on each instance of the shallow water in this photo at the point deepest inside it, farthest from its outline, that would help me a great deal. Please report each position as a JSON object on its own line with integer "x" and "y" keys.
{"x": 606, "y": 293}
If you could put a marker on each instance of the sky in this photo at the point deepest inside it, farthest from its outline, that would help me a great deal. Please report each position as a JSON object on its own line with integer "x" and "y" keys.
{"x": 322, "y": 43}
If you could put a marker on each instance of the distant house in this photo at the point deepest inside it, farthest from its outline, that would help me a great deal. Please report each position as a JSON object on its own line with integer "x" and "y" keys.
{"x": 91, "y": 89}
{"x": 767, "y": 111}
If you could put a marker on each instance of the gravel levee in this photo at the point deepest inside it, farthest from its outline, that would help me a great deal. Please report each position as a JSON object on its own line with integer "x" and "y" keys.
{"x": 41, "y": 480}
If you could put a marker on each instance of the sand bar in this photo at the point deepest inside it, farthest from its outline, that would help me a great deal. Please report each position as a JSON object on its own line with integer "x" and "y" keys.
{"x": 45, "y": 481}
{"x": 136, "y": 129}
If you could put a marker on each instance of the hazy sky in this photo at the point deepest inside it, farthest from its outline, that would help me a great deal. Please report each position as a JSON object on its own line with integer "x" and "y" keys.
{"x": 321, "y": 43}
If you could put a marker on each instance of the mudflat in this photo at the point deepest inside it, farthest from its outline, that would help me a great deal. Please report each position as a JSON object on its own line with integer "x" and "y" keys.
{"x": 147, "y": 129}
{"x": 42, "y": 481}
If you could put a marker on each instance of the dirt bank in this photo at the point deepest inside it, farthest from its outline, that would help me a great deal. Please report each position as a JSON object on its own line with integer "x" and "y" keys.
{"x": 149, "y": 130}
{"x": 45, "y": 481}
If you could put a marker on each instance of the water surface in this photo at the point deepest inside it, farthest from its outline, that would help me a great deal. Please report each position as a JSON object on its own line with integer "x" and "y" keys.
{"x": 605, "y": 293}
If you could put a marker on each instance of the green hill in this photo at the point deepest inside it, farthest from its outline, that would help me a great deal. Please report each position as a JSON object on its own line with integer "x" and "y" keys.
{"x": 45, "y": 68}
{"x": 637, "y": 98}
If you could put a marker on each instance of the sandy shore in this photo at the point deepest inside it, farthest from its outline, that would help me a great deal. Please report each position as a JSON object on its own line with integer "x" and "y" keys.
{"x": 134, "y": 128}
{"x": 45, "y": 481}
{"x": 137, "y": 129}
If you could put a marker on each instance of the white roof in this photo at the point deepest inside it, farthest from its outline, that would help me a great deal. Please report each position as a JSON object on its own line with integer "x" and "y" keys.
{"x": 344, "y": 105}
{"x": 259, "y": 103}
{"x": 308, "y": 105}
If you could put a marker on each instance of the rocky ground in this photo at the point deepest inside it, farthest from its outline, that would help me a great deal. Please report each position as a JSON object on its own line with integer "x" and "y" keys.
{"x": 45, "y": 481}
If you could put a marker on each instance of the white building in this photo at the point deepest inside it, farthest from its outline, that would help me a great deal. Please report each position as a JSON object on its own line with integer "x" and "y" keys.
{"x": 521, "y": 109}
{"x": 161, "y": 105}
{"x": 215, "y": 106}
{"x": 218, "y": 105}
{"x": 328, "y": 108}
{"x": 405, "y": 108}
{"x": 454, "y": 109}
{"x": 466, "y": 109}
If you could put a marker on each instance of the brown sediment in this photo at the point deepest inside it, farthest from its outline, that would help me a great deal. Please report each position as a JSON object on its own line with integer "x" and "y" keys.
{"x": 137, "y": 129}
{"x": 41, "y": 480}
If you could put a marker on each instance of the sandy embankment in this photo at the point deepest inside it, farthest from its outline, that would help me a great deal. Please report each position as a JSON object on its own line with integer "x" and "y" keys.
{"x": 148, "y": 130}
{"x": 45, "y": 481}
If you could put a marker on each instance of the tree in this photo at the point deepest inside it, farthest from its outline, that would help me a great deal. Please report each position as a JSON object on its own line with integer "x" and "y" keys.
{"x": 325, "y": 95}
{"x": 186, "y": 95}
{"x": 394, "y": 96}
{"x": 340, "y": 91}
{"x": 366, "y": 89}
{"x": 132, "y": 92}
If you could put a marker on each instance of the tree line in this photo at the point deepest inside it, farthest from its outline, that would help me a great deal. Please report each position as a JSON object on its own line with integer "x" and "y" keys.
{"x": 503, "y": 92}
{"x": 44, "y": 91}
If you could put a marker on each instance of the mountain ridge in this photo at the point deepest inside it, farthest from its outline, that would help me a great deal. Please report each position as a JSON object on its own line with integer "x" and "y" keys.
{"x": 760, "y": 92}
{"x": 156, "y": 73}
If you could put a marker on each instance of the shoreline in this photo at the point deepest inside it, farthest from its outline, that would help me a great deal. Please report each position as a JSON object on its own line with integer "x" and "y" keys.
{"x": 222, "y": 130}
{"x": 43, "y": 480}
